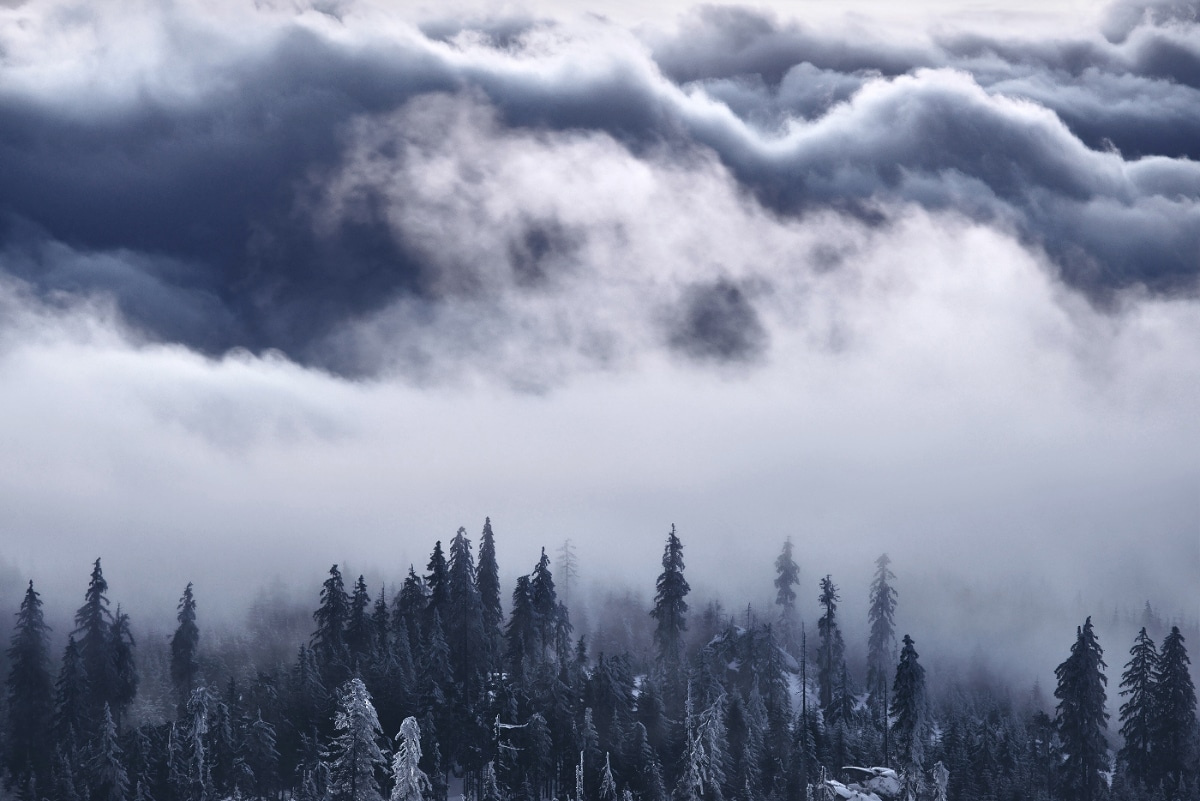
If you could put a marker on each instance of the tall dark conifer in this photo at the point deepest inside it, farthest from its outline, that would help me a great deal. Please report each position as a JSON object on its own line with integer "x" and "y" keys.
{"x": 30, "y": 697}
{"x": 1137, "y": 713}
{"x": 1082, "y": 719}
{"x": 908, "y": 707}
{"x": 125, "y": 674}
{"x": 464, "y": 632}
{"x": 437, "y": 585}
{"x": 93, "y": 632}
{"x": 670, "y": 608}
{"x": 408, "y": 608}
{"x": 358, "y": 625}
{"x": 487, "y": 582}
{"x": 832, "y": 648}
{"x": 329, "y": 639}
{"x": 1174, "y": 729}
{"x": 544, "y": 600}
{"x": 185, "y": 646}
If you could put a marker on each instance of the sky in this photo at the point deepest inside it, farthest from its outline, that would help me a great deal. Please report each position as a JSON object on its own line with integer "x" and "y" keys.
{"x": 289, "y": 284}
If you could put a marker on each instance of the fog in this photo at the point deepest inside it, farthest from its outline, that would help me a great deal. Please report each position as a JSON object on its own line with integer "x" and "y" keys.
{"x": 281, "y": 289}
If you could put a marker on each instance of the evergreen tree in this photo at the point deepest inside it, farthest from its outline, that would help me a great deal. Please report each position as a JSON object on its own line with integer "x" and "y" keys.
{"x": 410, "y": 782}
{"x": 409, "y": 606}
{"x": 568, "y": 567}
{"x": 93, "y": 630}
{"x": 125, "y": 675}
{"x": 355, "y": 754}
{"x": 908, "y": 707}
{"x": 543, "y": 600}
{"x": 108, "y": 780}
{"x": 329, "y": 639}
{"x": 1175, "y": 712}
{"x": 381, "y": 627}
{"x": 261, "y": 756}
{"x": 830, "y": 653}
{"x": 70, "y": 697}
{"x": 881, "y": 642}
{"x": 1138, "y": 713}
{"x": 1082, "y": 719}
{"x": 487, "y": 583}
{"x": 30, "y": 697}
{"x": 358, "y": 626}
{"x": 670, "y": 608}
{"x": 437, "y": 585}
{"x": 464, "y": 632}
{"x": 787, "y": 576}
{"x": 185, "y": 645}
{"x": 521, "y": 633}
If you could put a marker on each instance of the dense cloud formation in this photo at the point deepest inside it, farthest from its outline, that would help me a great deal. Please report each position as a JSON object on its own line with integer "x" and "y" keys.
{"x": 282, "y": 181}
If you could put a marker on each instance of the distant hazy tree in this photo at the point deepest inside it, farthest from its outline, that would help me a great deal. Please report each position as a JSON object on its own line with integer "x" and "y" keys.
{"x": 787, "y": 576}
{"x": 881, "y": 642}
{"x": 410, "y": 782}
{"x": 30, "y": 697}
{"x": 909, "y": 707}
{"x": 832, "y": 648}
{"x": 125, "y": 674}
{"x": 1174, "y": 728}
{"x": 487, "y": 582}
{"x": 1082, "y": 720}
{"x": 70, "y": 697}
{"x": 329, "y": 639}
{"x": 568, "y": 567}
{"x": 1137, "y": 713}
{"x": 355, "y": 753}
{"x": 670, "y": 608}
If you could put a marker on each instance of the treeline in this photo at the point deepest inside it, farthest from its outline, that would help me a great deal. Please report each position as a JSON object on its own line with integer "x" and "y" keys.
{"x": 436, "y": 691}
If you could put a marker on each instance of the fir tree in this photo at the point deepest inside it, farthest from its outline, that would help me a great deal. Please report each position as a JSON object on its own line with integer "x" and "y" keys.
{"x": 358, "y": 626}
{"x": 108, "y": 780}
{"x": 882, "y": 640}
{"x": 670, "y": 608}
{"x": 409, "y": 782}
{"x": 521, "y": 633}
{"x": 1082, "y": 719}
{"x": 832, "y": 648}
{"x": 1138, "y": 714}
{"x": 261, "y": 756}
{"x": 487, "y": 583}
{"x": 908, "y": 707}
{"x": 30, "y": 697}
{"x": 125, "y": 675}
{"x": 93, "y": 630}
{"x": 185, "y": 645}
{"x": 70, "y": 696}
{"x": 787, "y": 576}
{"x": 329, "y": 639}
{"x": 568, "y": 567}
{"x": 437, "y": 585}
{"x": 464, "y": 632}
{"x": 409, "y": 606}
{"x": 1174, "y": 728}
{"x": 543, "y": 600}
{"x": 355, "y": 754}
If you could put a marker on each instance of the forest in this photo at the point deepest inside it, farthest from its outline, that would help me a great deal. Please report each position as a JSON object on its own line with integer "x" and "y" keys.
{"x": 438, "y": 693}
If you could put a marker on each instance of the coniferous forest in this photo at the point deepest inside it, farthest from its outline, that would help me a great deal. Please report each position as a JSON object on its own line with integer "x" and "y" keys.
{"x": 435, "y": 692}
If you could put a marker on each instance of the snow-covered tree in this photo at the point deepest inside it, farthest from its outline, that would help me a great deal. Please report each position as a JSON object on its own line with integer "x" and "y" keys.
{"x": 410, "y": 782}
{"x": 355, "y": 753}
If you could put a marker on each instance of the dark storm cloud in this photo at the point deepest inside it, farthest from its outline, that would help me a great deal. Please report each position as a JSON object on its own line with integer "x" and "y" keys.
{"x": 195, "y": 214}
{"x": 717, "y": 321}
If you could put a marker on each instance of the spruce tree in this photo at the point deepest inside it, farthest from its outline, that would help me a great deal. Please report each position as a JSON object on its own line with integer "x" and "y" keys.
{"x": 358, "y": 626}
{"x": 185, "y": 645}
{"x": 464, "y": 622}
{"x": 408, "y": 608}
{"x": 521, "y": 633}
{"x": 1138, "y": 714}
{"x": 93, "y": 630}
{"x": 670, "y": 608}
{"x": 881, "y": 642}
{"x": 568, "y": 567}
{"x": 437, "y": 585}
{"x": 908, "y": 708}
{"x": 831, "y": 650}
{"x": 1174, "y": 729}
{"x": 543, "y": 600}
{"x": 70, "y": 697}
{"x": 355, "y": 753}
{"x": 787, "y": 576}
{"x": 409, "y": 782}
{"x": 107, "y": 778}
{"x": 30, "y": 697}
{"x": 487, "y": 582}
{"x": 125, "y": 675}
{"x": 329, "y": 639}
{"x": 1081, "y": 719}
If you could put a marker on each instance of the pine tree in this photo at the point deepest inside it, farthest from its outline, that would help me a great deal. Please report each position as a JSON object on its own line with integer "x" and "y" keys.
{"x": 30, "y": 696}
{"x": 487, "y": 583}
{"x": 568, "y": 567}
{"x": 408, "y": 608}
{"x": 670, "y": 608}
{"x": 908, "y": 707}
{"x": 410, "y": 782}
{"x": 830, "y": 653}
{"x": 464, "y": 632}
{"x": 521, "y": 634}
{"x": 329, "y": 639}
{"x": 185, "y": 645}
{"x": 108, "y": 780}
{"x": 358, "y": 626}
{"x": 437, "y": 585}
{"x": 70, "y": 697}
{"x": 787, "y": 576}
{"x": 882, "y": 640}
{"x": 1082, "y": 719}
{"x": 1174, "y": 728}
{"x": 355, "y": 752}
{"x": 1138, "y": 713}
{"x": 543, "y": 600}
{"x": 261, "y": 756}
{"x": 93, "y": 629}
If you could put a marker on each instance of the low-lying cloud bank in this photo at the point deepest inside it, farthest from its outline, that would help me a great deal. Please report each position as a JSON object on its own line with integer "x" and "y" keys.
{"x": 931, "y": 294}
